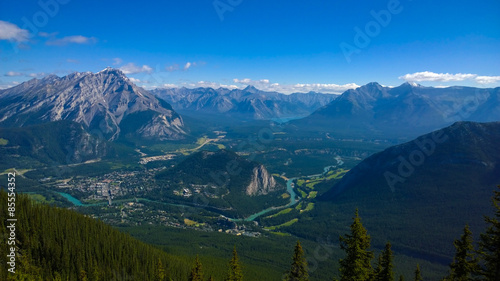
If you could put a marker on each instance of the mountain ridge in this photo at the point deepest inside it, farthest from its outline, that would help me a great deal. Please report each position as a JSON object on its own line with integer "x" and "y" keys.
{"x": 407, "y": 110}
{"x": 100, "y": 101}
{"x": 248, "y": 103}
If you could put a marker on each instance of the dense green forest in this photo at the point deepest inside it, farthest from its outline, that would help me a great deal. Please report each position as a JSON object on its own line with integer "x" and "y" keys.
{"x": 60, "y": 244}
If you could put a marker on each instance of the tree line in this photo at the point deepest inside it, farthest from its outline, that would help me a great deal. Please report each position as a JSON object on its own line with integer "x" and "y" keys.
{"x": 358, "y": 265}
{"x": 60, "y": 244}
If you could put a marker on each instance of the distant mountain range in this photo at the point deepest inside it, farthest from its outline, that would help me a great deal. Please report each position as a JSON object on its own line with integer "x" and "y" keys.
{"x": 406, "y": 110}
{"x": 247, "y": 104}
{"x": 420, "y": 194}
{"x": 107, "y": 103}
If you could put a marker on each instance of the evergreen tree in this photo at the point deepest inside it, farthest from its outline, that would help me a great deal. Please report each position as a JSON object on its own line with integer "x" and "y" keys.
{"x": 489, "y": 245}
{"x": 356, "y": 266}
{"x": 387, "y": 274}
{"x": 159, "y": 271}
{"x": 82, "y": 276}
{"x": 401, "y": 278}
{"x": 298, "y": 270}
{"x": 418, "y": 274}
{"x": 235, "y": 273}
{"x": 196, "y": 272}
{"x": 377, "y": 270}
{"x": 465, "y": 264}
{"x": 211, "y": 278}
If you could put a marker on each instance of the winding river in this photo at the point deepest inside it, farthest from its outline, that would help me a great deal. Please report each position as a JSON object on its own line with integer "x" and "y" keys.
{"x": 289, "y": 188}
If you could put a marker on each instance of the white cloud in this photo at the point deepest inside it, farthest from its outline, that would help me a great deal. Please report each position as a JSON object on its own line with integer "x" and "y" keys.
{"x": 13, "y": 74}
{"x": 72, "y": 61}
{"x": 12, "y": 32}
{"x": 187, "y": 66}
{"x": 208, "y": 84}
{"x": 447, "y": 77}
{"x": 487, "y": 79}
{"x": 117, "y": 61}
{"x": 131, "y": 68}
{"x": 75, "y": 39}
{"x": 134, "y": 80}
{"x": 37, "y": 75}
{"x": 170, "y": 86}
{"x": 266, "y": 85}
{"x": 6, "y": 86}
{"x": 171, "y": 68}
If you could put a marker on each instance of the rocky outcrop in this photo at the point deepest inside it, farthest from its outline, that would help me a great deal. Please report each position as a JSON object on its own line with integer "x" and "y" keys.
{"x": 262, "y": 182}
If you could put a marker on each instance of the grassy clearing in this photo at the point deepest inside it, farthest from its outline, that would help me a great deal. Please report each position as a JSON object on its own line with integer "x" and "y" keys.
{"x": 303, "y": 194}
{"x": 3, "y": 141}
{"x": 281, "y": 233}
{"x": 312, "y": 195}
{"x": 201, "y": 140}
{"x": 309, "y": 207}
{"x": 282, "y": 212}
{"x": 336, "y": 174}
{"x": 189, "y": 222}
{"x": 285, "y": 195}
{"x": 288, "y": 223}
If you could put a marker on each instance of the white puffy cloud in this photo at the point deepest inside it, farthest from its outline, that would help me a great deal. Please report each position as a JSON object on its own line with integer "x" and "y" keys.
{"x": 440, "y": 77}
{"x": 187, "y": 66}
{"x": 170, "y": 86}
{"x": 266, "y": 85}
{"x": 207, "y": 84}
{"x": 13, "y": 74}
{"x": 487, "y": 79}
{"x": 37, "y": 75}
{"x": 134, "y": 80}
{"x": 131, "y": 68}
{"x": 447, "y": 77}
{"x": 75, "y": 39}
{"x": 12, "y": 32}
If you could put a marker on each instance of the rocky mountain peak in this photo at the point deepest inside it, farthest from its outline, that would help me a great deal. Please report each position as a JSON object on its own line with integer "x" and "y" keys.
{"x": 261, "y": 183}
{"x": 100, "y": 101}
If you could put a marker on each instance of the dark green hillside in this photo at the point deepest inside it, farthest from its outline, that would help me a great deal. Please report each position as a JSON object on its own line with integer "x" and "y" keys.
{"x": 61, "y": 142}
{"x": 426, "y": 204}
{"x": 218, "y": 179}
{"x": 59, "y": 244}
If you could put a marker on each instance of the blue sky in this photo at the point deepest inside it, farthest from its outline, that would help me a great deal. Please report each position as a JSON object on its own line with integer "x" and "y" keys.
{"x": 321, "y": 45}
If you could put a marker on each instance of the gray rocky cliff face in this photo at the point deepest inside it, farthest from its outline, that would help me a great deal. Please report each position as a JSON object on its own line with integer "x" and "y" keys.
{"x": 262, "y": 182}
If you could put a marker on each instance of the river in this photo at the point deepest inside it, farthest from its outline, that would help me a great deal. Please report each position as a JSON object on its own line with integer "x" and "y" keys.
{"x": 289, "y": 189}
